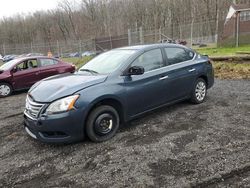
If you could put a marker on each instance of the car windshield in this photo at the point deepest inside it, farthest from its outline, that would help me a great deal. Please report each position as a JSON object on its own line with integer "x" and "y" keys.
{"x": 9, "y": 65}
{"x": 108, "y": 62}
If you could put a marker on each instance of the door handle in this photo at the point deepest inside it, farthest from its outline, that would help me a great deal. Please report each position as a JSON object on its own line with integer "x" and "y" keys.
{"x": 163, "y": 78}
{"x": 191, "y": 70}
{"x": 37, "y": 73}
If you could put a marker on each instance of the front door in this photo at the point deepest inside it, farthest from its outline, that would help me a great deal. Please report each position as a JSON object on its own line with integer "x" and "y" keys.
{"x": 26, "y": 74}
{"x": 144, "y": 92}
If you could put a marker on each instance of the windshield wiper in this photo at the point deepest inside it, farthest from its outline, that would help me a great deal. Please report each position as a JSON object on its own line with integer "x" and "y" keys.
{"x": 88, "y": 70}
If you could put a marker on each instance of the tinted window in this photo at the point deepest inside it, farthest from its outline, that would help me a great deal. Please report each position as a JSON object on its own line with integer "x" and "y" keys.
{"x": 47, "y": 62}
{"x": 177, "y": 55}
{"x": 150, "y": 60}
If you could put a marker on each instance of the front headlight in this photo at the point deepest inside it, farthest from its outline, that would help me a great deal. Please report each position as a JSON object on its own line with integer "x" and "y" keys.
{"x": 62, "y": 105}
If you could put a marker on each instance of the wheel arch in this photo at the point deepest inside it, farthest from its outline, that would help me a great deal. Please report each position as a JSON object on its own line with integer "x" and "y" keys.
{"x": 6, "y": 82}
{"x": 204, "y": 77}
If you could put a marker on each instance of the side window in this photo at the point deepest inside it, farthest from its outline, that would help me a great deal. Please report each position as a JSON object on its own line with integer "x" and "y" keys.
{"x": 47, "y": 62}
{"x": 177, "y": 55}
{"x": 150, "y": 60}
{"x": 28, "y": 64}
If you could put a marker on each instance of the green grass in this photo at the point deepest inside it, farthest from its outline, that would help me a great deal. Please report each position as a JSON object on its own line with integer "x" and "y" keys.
{"x": 223, "y": 70}
{"x": 78, "y": 62}
{"x": 223, "y": 51}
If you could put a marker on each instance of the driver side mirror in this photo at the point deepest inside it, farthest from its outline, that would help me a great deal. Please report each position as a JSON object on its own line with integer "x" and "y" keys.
{"x": 135, "y": 70}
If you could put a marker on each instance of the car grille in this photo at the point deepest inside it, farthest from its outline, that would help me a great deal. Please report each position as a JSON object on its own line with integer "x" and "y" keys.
{"x": 33, "y": 108}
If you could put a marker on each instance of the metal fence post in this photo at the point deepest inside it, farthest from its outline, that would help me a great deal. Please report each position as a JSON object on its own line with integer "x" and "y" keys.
{"x": 217, "y": 28}
{"x": 191, "y": 34}
{"x": 160, "y": 36}
{"x": 31, "y": 47}
{"x": 80, "y": 48}
{"x": 58, "y": 48}
{"x": 110, "y": 40}
{"x": 237, "y": 28}
{"x": 94, "y": 42}
{"x": 141, "y": 36}
{"x": 129, "y": 37}
{"x": 4, "y": 51}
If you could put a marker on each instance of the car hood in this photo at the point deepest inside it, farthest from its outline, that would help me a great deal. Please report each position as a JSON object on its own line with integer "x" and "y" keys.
{"x": 4, "y": 74}
{"x": 56, "y": 87}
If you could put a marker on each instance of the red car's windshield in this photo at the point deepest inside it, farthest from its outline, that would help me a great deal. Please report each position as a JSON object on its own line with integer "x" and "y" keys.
{"x": 9, "y": 65}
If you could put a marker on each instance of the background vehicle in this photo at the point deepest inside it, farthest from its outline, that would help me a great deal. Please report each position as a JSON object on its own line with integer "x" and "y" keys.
{"x": 1, "y": 59}
{"x": 88, "y": 53}
{"x": 9, "y": 58}
{"x": 171, "y": 41}
{"x": 76, "y": 54}
{"x": 22, "y": 73}
{"x": 115, "y": 87}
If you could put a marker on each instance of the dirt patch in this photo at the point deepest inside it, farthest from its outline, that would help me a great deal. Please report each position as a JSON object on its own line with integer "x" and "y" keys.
{"x": 184, "y": 145}
{"x": 232, "y": 70}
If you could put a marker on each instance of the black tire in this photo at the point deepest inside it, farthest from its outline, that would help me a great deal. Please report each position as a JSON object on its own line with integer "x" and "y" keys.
{"x": 6, "y": 86}
{"x": 199, "y": 91}
{"x": 102, "y": 123}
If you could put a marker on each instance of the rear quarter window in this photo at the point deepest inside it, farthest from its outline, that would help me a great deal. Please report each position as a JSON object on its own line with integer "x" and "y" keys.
{"x": 178, "y": 55}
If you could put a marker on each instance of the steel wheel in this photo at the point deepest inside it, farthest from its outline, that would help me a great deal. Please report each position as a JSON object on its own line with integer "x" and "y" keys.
{"x": 103, "y": 123}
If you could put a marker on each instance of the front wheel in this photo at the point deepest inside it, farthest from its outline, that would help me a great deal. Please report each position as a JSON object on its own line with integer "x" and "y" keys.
{"x": 102, "y": 123}
{"x": 5, "y": 90}
{"x": 199, "y": 91}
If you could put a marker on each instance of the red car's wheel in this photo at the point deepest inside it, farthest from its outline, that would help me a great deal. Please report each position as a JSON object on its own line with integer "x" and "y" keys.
{"x": 5, "y": 89}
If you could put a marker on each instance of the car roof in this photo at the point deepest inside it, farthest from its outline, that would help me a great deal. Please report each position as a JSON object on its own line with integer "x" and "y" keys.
{"x": 33, "y": 57}
{"x": 151, "y": 46}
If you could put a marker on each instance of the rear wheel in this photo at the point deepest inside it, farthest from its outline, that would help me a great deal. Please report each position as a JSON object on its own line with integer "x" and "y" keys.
{"x": 102, "y": 123}
{"x": 5, "y": 89}
{"x": 199, "y": 91}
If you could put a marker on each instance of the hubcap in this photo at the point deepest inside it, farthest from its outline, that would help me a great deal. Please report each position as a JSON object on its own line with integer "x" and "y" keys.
{"x": 104, "y": 124}
{"x": 4, "y": 90}
{"x": 200, "y": 91}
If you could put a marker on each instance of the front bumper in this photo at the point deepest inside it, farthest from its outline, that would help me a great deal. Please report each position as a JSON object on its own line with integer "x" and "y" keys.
{"x": 66, "y": 127}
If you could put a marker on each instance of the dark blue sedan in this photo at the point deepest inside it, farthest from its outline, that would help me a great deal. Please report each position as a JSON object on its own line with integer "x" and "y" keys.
{"x": 114, "y": 88}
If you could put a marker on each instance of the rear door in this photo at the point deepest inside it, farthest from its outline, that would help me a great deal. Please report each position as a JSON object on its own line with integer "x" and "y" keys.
{"x": 27, "y": 73}
{"x": 48, "y": 67}
{"x": 181, "y": 72}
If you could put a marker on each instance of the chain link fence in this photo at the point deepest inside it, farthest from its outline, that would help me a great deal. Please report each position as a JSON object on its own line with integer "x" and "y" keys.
{"x": 58, "y": 48}
{"x": 193, "y": 33}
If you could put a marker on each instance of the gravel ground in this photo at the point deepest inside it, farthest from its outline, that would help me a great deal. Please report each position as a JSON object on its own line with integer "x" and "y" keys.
{"x": 183, "y": 145}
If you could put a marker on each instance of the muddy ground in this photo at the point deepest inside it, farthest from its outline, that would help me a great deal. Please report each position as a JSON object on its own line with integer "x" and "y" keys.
{"x": 183, "y": 145}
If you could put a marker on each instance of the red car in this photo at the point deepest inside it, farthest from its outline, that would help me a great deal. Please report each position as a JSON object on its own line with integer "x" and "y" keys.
{"x": 22, "y": 73}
